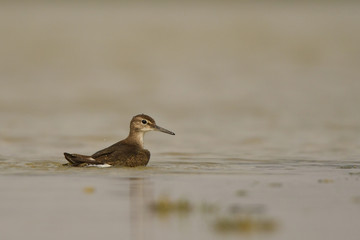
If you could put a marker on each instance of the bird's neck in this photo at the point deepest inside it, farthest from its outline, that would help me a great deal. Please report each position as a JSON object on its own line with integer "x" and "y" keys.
{"x": 136, "y": 137}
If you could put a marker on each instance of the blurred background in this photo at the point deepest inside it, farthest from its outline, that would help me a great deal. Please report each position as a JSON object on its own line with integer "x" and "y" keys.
{"x": 260, "y": 79}
{"x": 263, "y": 97}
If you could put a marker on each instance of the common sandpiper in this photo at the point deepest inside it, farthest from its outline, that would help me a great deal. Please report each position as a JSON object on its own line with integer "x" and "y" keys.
{"x": 129, "y": 152}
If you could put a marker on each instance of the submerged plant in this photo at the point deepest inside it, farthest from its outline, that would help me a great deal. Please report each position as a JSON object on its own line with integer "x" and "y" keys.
{"x": 164, "y": 205}
{"x": 245, "y": 224}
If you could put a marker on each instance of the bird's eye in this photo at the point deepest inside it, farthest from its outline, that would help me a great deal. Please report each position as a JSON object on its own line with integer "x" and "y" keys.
{"x": 144, "y": 121}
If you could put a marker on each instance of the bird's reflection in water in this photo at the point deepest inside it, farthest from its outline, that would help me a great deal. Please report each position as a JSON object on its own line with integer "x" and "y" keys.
{"x": 140, "y": 197}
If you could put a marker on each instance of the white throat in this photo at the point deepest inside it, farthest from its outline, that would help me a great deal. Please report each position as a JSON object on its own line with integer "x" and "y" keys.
{"x": 140, "y": 138}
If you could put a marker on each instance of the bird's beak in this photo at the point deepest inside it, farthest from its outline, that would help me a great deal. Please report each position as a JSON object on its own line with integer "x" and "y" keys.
{"x": 157, "y": 128}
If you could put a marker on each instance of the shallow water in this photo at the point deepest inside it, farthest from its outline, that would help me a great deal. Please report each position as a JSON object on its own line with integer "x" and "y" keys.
{"x": 263, "y": 99}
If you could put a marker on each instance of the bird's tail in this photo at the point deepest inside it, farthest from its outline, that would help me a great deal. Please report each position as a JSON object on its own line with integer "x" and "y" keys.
{"x": 77, "y": 159}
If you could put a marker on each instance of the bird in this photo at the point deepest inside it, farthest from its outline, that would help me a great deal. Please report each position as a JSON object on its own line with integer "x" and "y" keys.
{"x": 129, "y": 152}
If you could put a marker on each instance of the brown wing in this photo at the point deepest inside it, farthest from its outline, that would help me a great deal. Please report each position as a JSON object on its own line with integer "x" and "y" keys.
{"x": 133, "y": 158}
{"x": 123, "y": 154}
{"x": 108, "y": 151}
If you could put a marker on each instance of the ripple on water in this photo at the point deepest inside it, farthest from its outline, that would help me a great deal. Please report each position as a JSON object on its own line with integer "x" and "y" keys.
{"x": 176, "y": 163}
